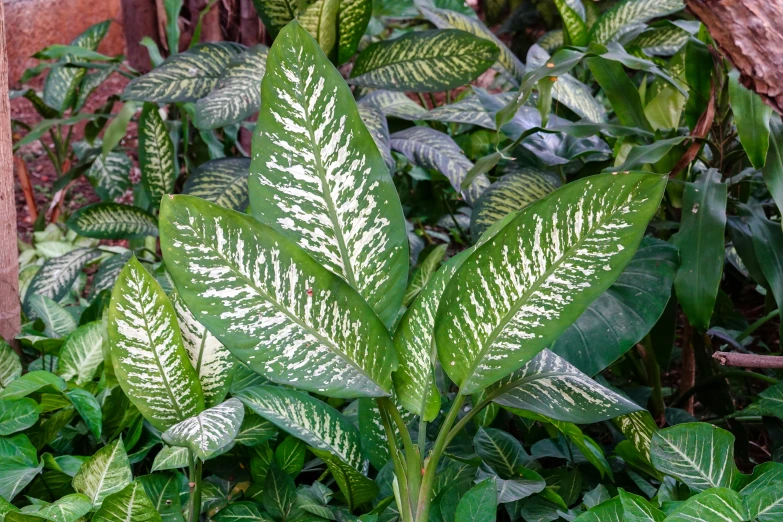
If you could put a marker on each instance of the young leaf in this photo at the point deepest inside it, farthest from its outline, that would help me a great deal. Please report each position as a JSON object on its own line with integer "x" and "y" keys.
{"x": 32, "y": 382}
{"x": 721, "y": 504}
{"x": 112, "y": 221}
{"x": 290, "y": 455}
{"x": 574, "y": 24}
{"x": 267, "y": 292}
{"x": 58, "y": 322}
{"x": 517, "y": 293}
{"x": 480, "y": 504}
{"x": 424, "y": 61}
{"x": 222, "y": 181}
{"x": 150, "y": 361}
{"x": 106, "y": 472}
{"x": 279, "y": 493}
{"x": 157, "y": 157}
{"x": 637, "y": 509}
{"x": 424, "y": 274}
{"x": 700, "y": 241}
{"x": 58, "y": 274}
{"x": 352, "y": 20}
{"x": 613, "y": 22}
{"x": 609, "y": 511}
{"x": 130, "y": 503}
{"x": 210, "y": 431}
{"x": 334, "y": 197}
{"x": 699, "y": 454}
{"x": 69, "y": 508}
{"x": 320, "y": 20}
{"x": 82, "y": 353}
{"x": 752, "y": 116}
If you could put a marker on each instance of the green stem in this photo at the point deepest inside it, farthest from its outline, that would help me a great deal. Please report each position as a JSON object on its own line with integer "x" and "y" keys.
{"x": 195, "y": 489}
{"x": 399, "y": 468}
{"x": 423, "y": 101}
{"x": 758, "y": 324}
{"x": 412, "y": 456}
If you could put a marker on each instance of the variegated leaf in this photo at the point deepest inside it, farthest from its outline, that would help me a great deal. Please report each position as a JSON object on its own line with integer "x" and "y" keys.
{"x": 275, "y": 307}
{"x": 395, "y": 104}
{"x": 113, "y": 221}
{"x": 307, "y": 418}
{"x": 66, "y": 509}
{"x": 19, "y": 464}
{"x": 82, "y": 353}
{"x": 511, "y": 193}
{"x": 432, "y": 149}
{"x": 10, "y": 365}
{"x": 638, "y": 428}
{"x": 320, "y": 20}
{"x": 171, "y": 457}
{"x": 107, "y": 273}
{"x": 106, "y": 472}
{"x": 551, "y": 41}
{"x": 378, "y": 128}
{"x": 150, "y": 361}
{"x": 210, "y": 431}
{"x": 276, "y": 13}
{"x": 352, "y": 20}
{"x": 129, "y": 504}
{"x": 629, "y": 12}
{"x": 355, "y": 486}
{"x": 185, "y": 76}
{"x": 512, "y": 67}
{"x": 665, "y": 40}
{"x": 373, "y": 434}
{"x": 58, "y": 322}
{"x": 317, "y": 176}
{"x": 214, "y": 364}
{"x": 573, "y": 22}
{"x": 638, "y": 509}
{"x": 110, "y": 175}
{"x": 468, "y": 110}
{"x": 424, "y": 61}
{"x": 236, "y": 95}
{"x": 58, "y": 274}
{"x": 424, "y": 274}
{"x": 157, "y": 157}
{"x": 717, "y": 504}
{"x": 222, "y": 181}
{"x": 609, "y": 511}
{"x": 550, "y": 386}
{"x": 91, "y": 82}
{"x": 520, "y": 290}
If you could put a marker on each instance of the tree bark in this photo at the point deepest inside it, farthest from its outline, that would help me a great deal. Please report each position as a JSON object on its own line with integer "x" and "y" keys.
{"x": 210, "y": 26}
{"x": 139, "y": 19}
{"x": 750, "y": 35}
{"x": 9, "y": 268}
{"x": 249, "y": 33}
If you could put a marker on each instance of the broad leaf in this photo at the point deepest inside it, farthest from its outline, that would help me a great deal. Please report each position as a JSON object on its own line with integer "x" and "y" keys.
{"x": 424, "y": 274}
{"x": 166, "y": 491}
{"x": 107, "y": 273}
{"x": 306, "y": 418}
{"x": 113, "y": 221}
{"x": 334, "y": 195}
{"x": 88, "y": 408}
{"x": 721, "y": 503}
{"x": 58, "y": 322}
{"x": 468, "y": 110}
{"x": 18, "y": 415}
{"x": 613, "y": 22}
{"x": 699, "y": 454}
{"x": 157, "y": 156}
{"x": 517, "y": 293}
{"x": 501, "y": 451}
{"x": 637, "y": 509}
{"x": 236, "y": 95}
{"x": 765, "y": 503}
{"x": 130, "y": 503}
{"x": 210, "y": 431}
{"x": 378, "y": 127}
{"x": 395, "y": 104}
{"x": 213, "y": 363}
{"x": 241, "y": 511}
{"x": 479, "y": 504}
{"x": 105, "y": 473}
{"x": 171, "y": 457}
{"x": 69, "y": 508}
{"x": 150, "y": 361}
{"x": 185, "y": 76}
{"x": 290, "y": 455}
{"x": 276, "y": 13}
{"x": 357, "y": 488}
{"x": 255, "y": 430}
{"x": 10, "y": 365}
{"x": 773, "y": 168}
{"x": 424, "y": 61}
{"x": 58, "y": 274}
{"x": 221, "y": 181}
{"x": 32, "y": 382}
{"x": 279, "y": 493}
{"x": 82, "y": 353}
{"x": 609, "y": 511}
{"x": 573, "y": 23}
{"x": 110, "y": 175}
{"x": 751, "y": 116}
{"x": 18, "y": 465}
{"x": 320, "y": 20}
{"x": 352, "y": 20}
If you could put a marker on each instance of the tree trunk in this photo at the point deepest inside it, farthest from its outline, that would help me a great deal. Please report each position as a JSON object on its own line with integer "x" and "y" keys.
{"x": 139, "y": 19}
{"x": 750, "y": 35}
{"x": 210, "y": 26}
{"x": 9, "y": 268}
{"x": 250, "y": 32}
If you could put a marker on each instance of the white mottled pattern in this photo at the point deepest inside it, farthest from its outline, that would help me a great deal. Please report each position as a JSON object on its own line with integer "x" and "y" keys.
{"x": 210, "y": 431}
{"x": 106, "y": 472}
{"x": 156, "y": 154}
{"x": 82, "y": 353}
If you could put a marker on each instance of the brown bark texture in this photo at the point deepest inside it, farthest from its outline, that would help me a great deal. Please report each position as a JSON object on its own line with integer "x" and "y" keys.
{"x": 139, "y": 19}
{"x": 9, "y": 268}
{"x": 750, "y": 35}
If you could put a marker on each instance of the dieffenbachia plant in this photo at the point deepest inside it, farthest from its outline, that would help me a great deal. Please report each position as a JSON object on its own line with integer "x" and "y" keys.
{"x": 308, "y": 289}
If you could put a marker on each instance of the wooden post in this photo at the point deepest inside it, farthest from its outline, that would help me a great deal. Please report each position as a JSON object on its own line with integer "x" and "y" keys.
{"x": 139, "y": 19}
{"x": 10, "y": 319}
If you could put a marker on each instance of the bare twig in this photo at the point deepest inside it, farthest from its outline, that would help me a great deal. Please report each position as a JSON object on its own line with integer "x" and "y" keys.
{"x": 748, "y": 360}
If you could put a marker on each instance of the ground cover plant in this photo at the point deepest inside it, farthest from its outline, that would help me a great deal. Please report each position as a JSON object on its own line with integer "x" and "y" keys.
{"x": 444, "y": 283}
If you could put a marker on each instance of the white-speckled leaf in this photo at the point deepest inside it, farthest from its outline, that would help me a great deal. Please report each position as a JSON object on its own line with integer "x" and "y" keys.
{"x": 108, "y": 220}
{"x": 157, "y": 157}
{"x": 630, "y": 12}
{"x": 665, "y": 40}
{"x": 58, "y": 322}
{"x": 106, "y": 472}
{"x": 517, "y": 293}
{"x": 10, "y": 365}
{"x": 638, "y": 428}
{"x": 82, "y": 353}
{"x": 395, "y": 104}
{"x": 210, "y": 431}
{"x": 110, "y": 175}
{"x": 320, "y": 20}
{"x": 149, "y": 359}
{"x": 222, "y": 181}
{"x": 107, "y": 273}
{"x": 469, "y": 110}
{"x": 171, "y": 457}
{"x": 352, "y": 20}
{"x": 276, "y": 13}
{"x": 307, "y": 418}
{"x": 271, "y": 304}
{"x": 719, "y": 504}
{"x": 376, "y": 124}
{"x": 318, "y": 177}
{"x": 58, "y": 274}
{"x": 130, "y": 504}
{"x": 213, "y": 363}
{"x": 374, "y": 444}
{"x": 356, "y": 487}
{"x": 237, "y": 95}
{"x": 424, "y": 273}
{"x": 550, "y": 386}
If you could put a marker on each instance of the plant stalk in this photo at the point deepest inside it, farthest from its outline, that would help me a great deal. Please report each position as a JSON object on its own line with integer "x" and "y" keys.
{"x": 195, "y": 488}
{"x": 412, "y": 456}
{"x": 406, "y": 508}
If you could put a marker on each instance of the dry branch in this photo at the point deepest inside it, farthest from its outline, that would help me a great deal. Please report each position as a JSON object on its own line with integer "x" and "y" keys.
{"x": 748, "y": 360}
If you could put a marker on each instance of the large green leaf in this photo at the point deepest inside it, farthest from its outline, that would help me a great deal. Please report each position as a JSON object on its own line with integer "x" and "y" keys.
{"x": 355, "y": 487}
{"x": 511, "y": 193}
{"x": 620, "y": 91}
{"x": 82, "y": 353}
{"x": 625, "y": 313}
{"x": 307, "y": 418}
{"x": 424, "y": 273}
{"x": 320, "y": 20}
{"x": 130, "y": 503}
{"x": 10, "y": 365}
{"x": 18, "y": 415}
{"x": 518, "y": 292}
{"x": 613, "y": 23}
{"x": 513, "y": 68}
{"x": 701, "y": 245}
{"x": 157, "y": 156}
{"x": 609, "y": 511}
{"x": 318, "y": 177}
{"x": 479, "y": 504}
{"x": 107, "y": 273}
{"x": 352, "y": 20}
{"x": 255, "y": 289}
{"x": 69, "y": 508}
{"x": 106, "y": 472}
{"x": 185, "y": 76}
{"x": 58, "y": 274}
{"x": 113, "y": 221}
{"x": 765, "y": 504}
{"x": 88, "y": 408}
{"x": 637, "y": 509}
{"x": 150, "y": 361}
{"x": 751, "y": 116}
{"x": 18, "y": 465}
{"x": 31, "y": 382}
{"x": 171, "y": 457}
{"x": 773, "y": 168}
{"x": 718, "y": 504}
{"x": 501, "y": 451}
{"x": 222, "y": 181}
{"x": 110, "y": 175}
{"x": 279, "y": 493}
{"x": 276, "y": 13}
{"x": 240, "y": 512}
{"x": 424, "y": 61}
{"x": 210, "y": 431}
{"x": 236, "y": 95}
{"x": 468, "y": 110}
{"x": 58, "y": 322}
{"x": 699, "y": 454}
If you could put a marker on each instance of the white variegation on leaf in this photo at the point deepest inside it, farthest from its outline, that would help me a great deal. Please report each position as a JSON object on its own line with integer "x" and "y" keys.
{"x": 109, "y": 220}
{"x": 66, "y": 509}
{"x": 319, "y": 18}
{"x": 171, "y": 457}
{"x": 469, "y": 110}
{"x": 271, "y": 304}
{"x": 82, "y": 353}
{"x": 108, "y": 272}
{"x": 10, "y": 365}
{"x": 210, "y": 431}
{"x": 625, "y": 14}
{"x": 222, "y": 181}
{"x": 213, "y": 362}
{"x": 395, "y": 104}
{"x": 517, "y": 293}
{"x": 110, "y": 175}
{"x": 318, "y": 177}
{"x": 157, "y": 156}
{"x": 129, "y": 504}
{"x": 150, "y": 362}
{"x": 352, "y": 20}
{"x": 276, "y": 13}
{"x": 307, "y": 418}
{"x": 106, "y": 472}
{"x": 716, "y": 504}
{"x": 376, "y": 124}
{"x": 58, "y": 274}
{"x": 58, "y": 322}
